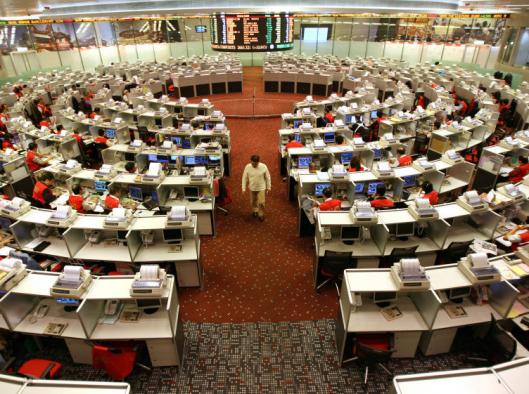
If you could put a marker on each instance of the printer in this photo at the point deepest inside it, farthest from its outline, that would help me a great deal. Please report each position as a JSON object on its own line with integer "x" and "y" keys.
{"x": 14, "y": 208}
{"x": 198, "y": 174}
{"x": 382, "y": 169}
{"x": 185, "y": 127}
{"x": 359, "y": 143}
{"x": 511, "y": 191}
{"x": 219, "y": 128}
{"x": 387, "y": 139}
{"x": 451, "y": 157}
{"x": 472, "y": 202}
{"x": 166, "y": 147}
{"x": 305, "y": 126}
{"x": 119, "y": 218}
{"x": 363, "y": 213}
{"x": 509, "y": 142}
{"x": 106, "y": 172}
{"x": 409, "y": 275}
{"x": 154, "y": 173}
{"x": 72, "y": 282}
{"x": 149, "y": 282}
{"x": 421, "y": 209}
{"x": 478, "y": 270}
{"x": 210, "y": 147}
{"x": 423, "y": 165}
{"x": 338, "y": 171}
{"x": 63, "y": 216}
{"x": 318, "y": 145}
{"x": 12, "y": 271}
{"x": 70, "y": 167}
{"x": 178, "y": 215}
{"x": 216, "y": 115}
{"x": 135, "y": 146}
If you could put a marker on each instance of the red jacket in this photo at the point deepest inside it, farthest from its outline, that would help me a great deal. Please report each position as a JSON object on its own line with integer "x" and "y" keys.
{"x": 433, "y": 197}
{"x": 331, "y": 204}
{"x": 30, "y": 157}
{"x": 38, "y": 192}
{"x": 76, "y": 202}
{"x": 100, "y": 140}
{"x": 329, "y": 118}
{"x": 382, "y": 203}
{"x": 405, "y": 160}
{"x": 293, "y": 144}
{"x": 518, "y": 173}
{"x": 352, "y": 169}
{"x": 111, "y": 202}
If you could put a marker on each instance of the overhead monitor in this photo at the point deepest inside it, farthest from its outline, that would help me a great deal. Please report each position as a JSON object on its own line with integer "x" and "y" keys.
{"x": 349, "y": 118}
{"x": 201, "y": 112}
{"x": 304, "y": 161}
{"x": 319, "y": 188}
{"x": 110, "y": 133}
{"x": 255, "y": 32}
{"x": 158, "y": 122}
{"x": 377, "y": 153}
{"x": 200, "y": 29}
{"x": 298, "y": 123}
{"x": 191, "y": 192}
{"x": 122, "y": 235}
{"x": 374, "y": 114}
{"x": 148, "y": 303}
{"x": 172, "y": 235}
{"x": 328, "y": 138}
{"x": 350, "y": 233}
{"x": 297, "y": 137}
{"x": 190, "y": 160}
{"x": 409, "y": 181}
{"x": 384, "y": 297}
{"x": 152, "y": 158}
{"x": 359, "y": 188}
{"x": 372, "y": 187}
{"x": 405, "y": 229}
{"x": 177, "y": 140}
{"x": 212, "y": 159}
{"x": 136, "y": 193}
{"x": 68, "y": 301}
{"x": 346, "y": 157}
{"x": 186, "y": 143}
{"x": 100, "y": 186}
{"x": 459, "y": 292}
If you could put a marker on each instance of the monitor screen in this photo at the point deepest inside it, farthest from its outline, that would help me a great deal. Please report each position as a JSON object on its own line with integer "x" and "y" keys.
{"x": 328, "y": 138}
{"x": 320, "y": 187}
{"x": 384, "y": 296}
{"x": 190, "y": 160}
{"x": 405, "y": 229}
{"x": 409, "y": 181}
{"x": 186, "y": 143}
{"x": 372, "y": 187}
{"x": 350, "y": 233}
{"x": 359, "y": 188}
{"x": 459, "y": 292}
{"x": 148, "y": 303}
{"x": 201, "y": 112}
{"x": 130, "y": 156}
{"x": 349, "y": 118}
{"x": 304, "y": 161}
{"x": 154, "y": 197}
{"x": 191, "y": 192}
{"x": 377, "y": 154}
{"x": 201, "y": 29}
{"x": 68, "y": 301}
{"x": 100, "y": 186}
{"x": 110, "y": 133}
{"x": 346, "y": 157}
{"x": 153, "y": 158}
{"x": 162, "y": 159}
{"x": 208, "y": 126}
{"x": 297, "y": 123}
{"x": 170, "y": 235}
{"x": 136, "y": 193}
{"x": 177, "y": 140}
{"x": 374, "y": 114}
{"x": 121, "y": 235}
{"x": 158, "y": 122}
{"x": 297, "y": 137}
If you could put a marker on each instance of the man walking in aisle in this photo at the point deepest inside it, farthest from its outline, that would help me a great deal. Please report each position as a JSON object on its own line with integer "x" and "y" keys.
{"x": 257, "y": 176}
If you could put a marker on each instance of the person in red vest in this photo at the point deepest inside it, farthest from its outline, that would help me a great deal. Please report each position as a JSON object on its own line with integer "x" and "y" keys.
{"x": 517, "y": 174}
{"x": 34, "y": 159}
{"x": 403, "y": 158}
{"x": 355, "y": 165}
{"x": 430, "y": 193}
{"x": 76, "y": 199}
{"x": 76, "y": 136}
{"x": 328, "y": 116}
{"x": 3, "y": 117}
{"x": 462, "y": 106}
{"x": 7, "y": 143}
{"x": 42, "y": 195}
{"x": 330, "y": 204}
{"x": 517, "y": 236}
{"x": 380, "y": 201}
{"x": 292, "y": 143}
{"x": 101, "y": 139}
{"x": 44, "y": 109}
{"x": 112, "y": 198}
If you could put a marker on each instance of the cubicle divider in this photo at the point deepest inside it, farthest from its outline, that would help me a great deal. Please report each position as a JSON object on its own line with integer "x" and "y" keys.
{"x": 428, "y": 305}
{"x": 502, "y": 296}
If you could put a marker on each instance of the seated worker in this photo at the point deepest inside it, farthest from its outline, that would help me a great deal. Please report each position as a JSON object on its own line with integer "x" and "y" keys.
{"x": 330, "y": 204}
{"x": 461, "y": 106}
{"x": 313, "y": 168}
{"x": 34, "y": 159}
{"x": 101, "y": 139}
{"x": 518, "y": 173}
{"x": 130, "y": 167}
{"x": 516, "y": 236}
{"x": 112, "y": 200}
{"x": 340, "y": 140}
{"x": 77, "y": 136}
{"x": 59, "y": 129}
{"x": 44, "y": 109}
{"x": 94, "y": 113}
{"x": 403, "y": 158}
{"x": 329, "y": 118}
{"x": 76, "y": 199}
{"x": 380, "y": 201}
{"x": 355, "y": 165}
{"x": 292, "y": 143}
{"x": 7, "y": 142}
{"x": 42, "y": 195}
{"x": 429, "y": 193}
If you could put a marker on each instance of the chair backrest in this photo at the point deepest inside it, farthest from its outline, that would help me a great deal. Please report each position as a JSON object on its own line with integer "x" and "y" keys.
{"x": 403, "y": 253}
{"x": 501, "y": 345}
{"x": 374, "y": 349}
{"x": 338, "y": 260}
{"x": 456, "y": 251}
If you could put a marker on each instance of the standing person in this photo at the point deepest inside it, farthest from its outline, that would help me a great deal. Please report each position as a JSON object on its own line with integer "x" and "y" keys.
{"x": 256, "y": 174}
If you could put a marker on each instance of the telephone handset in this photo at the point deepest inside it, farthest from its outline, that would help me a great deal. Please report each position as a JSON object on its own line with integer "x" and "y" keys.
{"x": 111, "y": 307}
{"x": 39, "y": 312}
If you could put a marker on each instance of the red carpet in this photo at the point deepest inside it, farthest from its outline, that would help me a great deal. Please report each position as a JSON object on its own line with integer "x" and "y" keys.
{"x": 256, "y": 271}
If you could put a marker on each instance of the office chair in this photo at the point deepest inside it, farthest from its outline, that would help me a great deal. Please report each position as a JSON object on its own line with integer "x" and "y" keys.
{"x": 38, "y": 368}
{"x": 372, "y": 350}
{"x": 222, "y": 195}
{"x": 332, "y": 267}
{"x": 117, "y": 359}
{"x": 396, "y": 255}
{"x": 497, "y": 346}
{"x": 454, "y": 253}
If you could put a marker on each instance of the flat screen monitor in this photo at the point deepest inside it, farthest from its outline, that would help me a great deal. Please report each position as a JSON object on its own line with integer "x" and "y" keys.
{"x": 297, "y": 123}
{"x": 201, "y": 112}
{"x": 148, "y": 303}
{"x": 213, "y": 159}
{"x": 152, "y": 158}
{"x": 405, "y": 229}
{"x": 68, "y": 301}
{"x": 172, "y": 235}
{"x": 372, "y": 187}
{"x": 346, "y": 157}
{"x": 208, "y": 126}
{"x": 350, "y": 233}
{"x": 158, "y": 122}
{"x": 304, "y": 161}
{"x": 136, "y": 193}
{"x": 349, "y": 118}
{"x": 377, "y": 154}
{"x": 384, "y": 297}
{"x": 319, "y": 188}
{"x": 154, "y": 197}
{"x": 328, "y": 138}
{"x": 191, "y": 192}
{"x": 297, "y": 137}
{"x": 201, "y": 29}
{"x": 162, "y": 159}
{"x": 190, "y": 160}
{"x": 359, "y": 188}
{"x": 173, "y": 159}
{"x": 459, "y": 292}
{"x": 186, "y": 143}
{"x": 100, "y": 186}
{"x": 130, "y": 156}
{"x": 122, "y": 235}
{"x": 374, "y": 114}
{"x": 177, "y": 140}
{"x": 409, "y": 181}
{"x": 110, "y": 133}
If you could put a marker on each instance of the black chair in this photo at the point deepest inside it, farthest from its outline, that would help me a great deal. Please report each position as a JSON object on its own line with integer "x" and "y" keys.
{"x": 396, "y": 255}
{"x": 332, "y": 267}
{"x": 496, "y": 347}
{"x": 454, "y": 253}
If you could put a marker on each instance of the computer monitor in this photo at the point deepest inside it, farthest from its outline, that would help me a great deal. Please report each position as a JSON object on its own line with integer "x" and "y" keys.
{"x": 148, "y": 303}
{"x": 374, "y": 114}
{"x": 346, "y": 157}
{"x": 409, "y": 180}
{"x": 152, "y": 158}
{"x": 349, "y": 118}
{"x": 213, "y": 159}
{"x": 186, "y": 143}
{"x": 172, "y": 235}
{"x": 405, "y": 229}
{"x": 136, "y": 193}
{"x": 350, "y": 233}
{"x": 190, "y": 160}
{"x": 177, "y": 140}
{"x": 158, "y": 122}
{"x": 328, "y": 138}
{"x": 162, "y": 159}
{"x": 384, "y": 298}
{"x": 201, "y": 112}
{"x": 191, "y": 192}
{"x": 208, "y": 126}
{"x": 297, "y": 123}
{"x": 154, "y": 197}
{"x": 100, "y": 186}
{"x": 122, "y": 235}
{"x": 372, "y": 187}
{"x": 304, "y": 161}
{"x": 359, "y": 188}
{"x": 320, "y": 187}
{"x": 130, "y": 156}
{"x": 68, "y": 301}
{"x": 297, "y": 137}
{"x": 459, "y": 293}
{"x": 110, "y": 133}
{"x": 377, "y": 153}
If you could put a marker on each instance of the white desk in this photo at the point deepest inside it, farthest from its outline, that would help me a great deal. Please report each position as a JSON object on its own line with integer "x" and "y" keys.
{"x": 514, "y": 375}
{"x": 74, "y": 387}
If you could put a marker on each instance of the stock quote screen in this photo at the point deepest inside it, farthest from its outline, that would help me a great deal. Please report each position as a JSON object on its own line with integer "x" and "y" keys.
{"x": 252, "y": 32}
